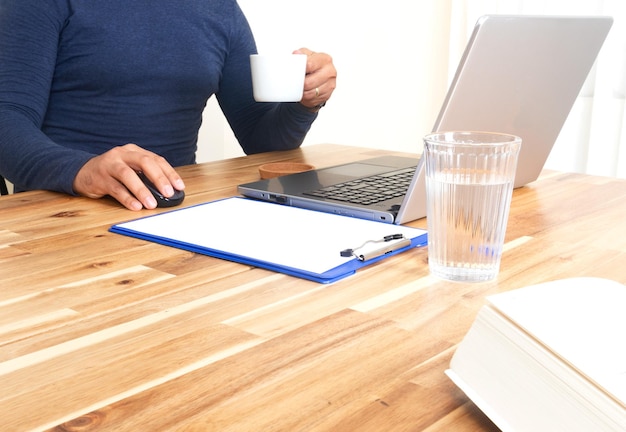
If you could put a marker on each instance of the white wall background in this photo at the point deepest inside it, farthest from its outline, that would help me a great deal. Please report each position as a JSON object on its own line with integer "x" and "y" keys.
{"x": 394, "y": 60}
{"x": 387, "y": 94}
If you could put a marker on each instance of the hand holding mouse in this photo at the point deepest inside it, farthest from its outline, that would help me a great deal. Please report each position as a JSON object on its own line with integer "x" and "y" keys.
{"x": 162, "y": 200}
{"x": 114, "y": 173}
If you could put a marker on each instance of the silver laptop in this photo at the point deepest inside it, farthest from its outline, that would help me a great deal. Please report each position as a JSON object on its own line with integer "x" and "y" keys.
{"x": 519, "y": 75}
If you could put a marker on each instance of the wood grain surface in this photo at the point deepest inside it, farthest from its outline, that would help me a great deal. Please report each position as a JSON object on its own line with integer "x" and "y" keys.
{"x": 100, "y": 331}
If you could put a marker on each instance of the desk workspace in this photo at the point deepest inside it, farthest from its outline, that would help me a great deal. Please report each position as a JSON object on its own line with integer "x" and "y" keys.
{"x": 100, "y": 331}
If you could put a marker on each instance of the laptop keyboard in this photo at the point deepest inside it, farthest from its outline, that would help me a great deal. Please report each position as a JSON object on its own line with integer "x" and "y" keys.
{"x": 369, "y": 190}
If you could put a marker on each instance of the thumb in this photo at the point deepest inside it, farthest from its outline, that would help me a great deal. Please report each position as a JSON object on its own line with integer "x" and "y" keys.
{"x": 305, "y": 51}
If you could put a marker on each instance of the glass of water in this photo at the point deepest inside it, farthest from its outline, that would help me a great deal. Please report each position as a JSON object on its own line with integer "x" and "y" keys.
{"x": 469, "y": 183}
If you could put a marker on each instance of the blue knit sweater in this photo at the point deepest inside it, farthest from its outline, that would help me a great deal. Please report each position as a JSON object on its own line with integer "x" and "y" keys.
{"x": 78, "y": 77}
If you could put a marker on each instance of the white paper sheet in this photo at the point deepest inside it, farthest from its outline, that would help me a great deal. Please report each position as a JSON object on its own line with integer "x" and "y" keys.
{"x": 282, "y": 235}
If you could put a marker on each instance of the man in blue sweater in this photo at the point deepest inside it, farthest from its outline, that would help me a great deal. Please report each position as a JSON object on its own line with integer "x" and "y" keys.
{"x": 92, "y": 92}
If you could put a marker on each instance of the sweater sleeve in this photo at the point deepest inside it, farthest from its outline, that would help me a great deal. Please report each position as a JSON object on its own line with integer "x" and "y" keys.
{"x": 29, "y": 34}
{"x": 259, "y": 127}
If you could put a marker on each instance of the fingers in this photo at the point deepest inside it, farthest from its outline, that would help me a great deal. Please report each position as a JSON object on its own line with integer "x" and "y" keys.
{"x": 114, "y": 173}
{"x": 305, "y": 51}
{"x": 160, "y": 173}
{"x": 321, "y": 78}
{"x": 130, "y": 191}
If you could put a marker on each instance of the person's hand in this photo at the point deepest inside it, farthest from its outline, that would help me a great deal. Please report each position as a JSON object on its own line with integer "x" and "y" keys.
{"x": 114, "y": 173}
{"x": 321, "y": 78}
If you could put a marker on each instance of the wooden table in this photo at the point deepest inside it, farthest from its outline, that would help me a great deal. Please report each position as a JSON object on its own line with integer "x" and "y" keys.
{"x": 104, "y": 332}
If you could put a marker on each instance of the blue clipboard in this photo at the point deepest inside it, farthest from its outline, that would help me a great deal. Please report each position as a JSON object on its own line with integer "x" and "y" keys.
{"x": 298, "y": 242}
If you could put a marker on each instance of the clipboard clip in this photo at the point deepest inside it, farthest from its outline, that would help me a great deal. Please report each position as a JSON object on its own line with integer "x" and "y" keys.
{"x": 384, "y": 250}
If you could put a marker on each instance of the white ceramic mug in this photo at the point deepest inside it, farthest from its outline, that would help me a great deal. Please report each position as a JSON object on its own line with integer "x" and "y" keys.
{"x": 278, "y": 77}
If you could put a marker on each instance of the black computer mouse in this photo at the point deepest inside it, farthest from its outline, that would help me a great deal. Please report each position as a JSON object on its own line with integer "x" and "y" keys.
{"x": 162, "y": 201}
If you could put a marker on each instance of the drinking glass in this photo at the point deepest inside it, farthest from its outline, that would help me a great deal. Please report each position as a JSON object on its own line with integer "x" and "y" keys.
{"x": 469, "y": 183}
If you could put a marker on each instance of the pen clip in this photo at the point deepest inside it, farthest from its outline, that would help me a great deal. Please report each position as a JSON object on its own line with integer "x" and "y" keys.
{"x": 384, "y": 250}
